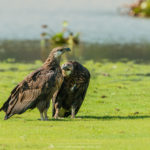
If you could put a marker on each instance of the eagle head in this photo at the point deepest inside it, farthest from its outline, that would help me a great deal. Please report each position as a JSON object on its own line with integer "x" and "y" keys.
{"x": 67, "y": 68}
{"x": 58, "y": 51}
{"x": 55, "y": 56}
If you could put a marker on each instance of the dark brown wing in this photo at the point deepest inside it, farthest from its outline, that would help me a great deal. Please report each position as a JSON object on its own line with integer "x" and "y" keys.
{"x": 83, "y": 82}
{"x": 5, "y": 105}
{"x": 31, "y": 90}
{"x": 22, "y": 86}
{"x": 78, "y": 98}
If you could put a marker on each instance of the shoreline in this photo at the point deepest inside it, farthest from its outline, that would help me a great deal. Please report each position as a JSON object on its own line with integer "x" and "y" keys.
{"x": 30, "y": 51}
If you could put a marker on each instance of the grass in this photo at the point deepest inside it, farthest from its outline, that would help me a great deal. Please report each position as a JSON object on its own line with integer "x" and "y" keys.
{"x": 114, "y": 115}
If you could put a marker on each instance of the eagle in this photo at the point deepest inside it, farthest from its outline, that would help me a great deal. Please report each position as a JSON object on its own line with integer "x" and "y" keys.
{"x": 73, "y": 90}
{"x": 37, "y": 88}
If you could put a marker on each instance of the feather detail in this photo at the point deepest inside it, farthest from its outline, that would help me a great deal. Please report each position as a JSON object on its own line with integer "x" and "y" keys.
{"x": 37, "y": 88}
{"x": 73, "y": 90}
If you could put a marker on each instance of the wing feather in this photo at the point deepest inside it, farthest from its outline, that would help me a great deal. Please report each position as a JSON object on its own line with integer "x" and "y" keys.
{"x": 28, "y": 92}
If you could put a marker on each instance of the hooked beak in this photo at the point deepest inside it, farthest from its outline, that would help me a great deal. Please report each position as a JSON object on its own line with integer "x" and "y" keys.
{"x": 64, "y": 67}
{"x": 67, "y": 49}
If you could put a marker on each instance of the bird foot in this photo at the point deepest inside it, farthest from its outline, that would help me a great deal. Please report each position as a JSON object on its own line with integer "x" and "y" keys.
{"x": 72, "y": 117}
{"x": 78, "y": 118}
{"x": 46, "y": 119}
{"x": 57, "y": 117}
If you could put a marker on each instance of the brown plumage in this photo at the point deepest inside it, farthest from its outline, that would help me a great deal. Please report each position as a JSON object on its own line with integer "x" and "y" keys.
{"x": 37, "y": 88}
{"x": 72, "y": 92}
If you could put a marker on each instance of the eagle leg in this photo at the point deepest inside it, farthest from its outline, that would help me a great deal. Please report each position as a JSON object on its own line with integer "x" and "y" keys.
{"x": 6, "y": 117}
{"x": 45, "y": 114}
{"x": 73, "y": 112}
{"x": 56, "y": 106}
{"x": 56, "y": 116}
{"x": 42, "y": 117}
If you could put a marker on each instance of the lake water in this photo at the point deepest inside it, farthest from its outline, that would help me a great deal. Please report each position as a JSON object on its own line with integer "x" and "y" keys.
{"x": 29, "y": 51}
{"x": 117, "y": 36}
{"x": 97, "y": 20}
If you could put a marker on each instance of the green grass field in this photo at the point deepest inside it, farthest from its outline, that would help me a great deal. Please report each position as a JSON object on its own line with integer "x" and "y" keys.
{"x": 114, "y": 116}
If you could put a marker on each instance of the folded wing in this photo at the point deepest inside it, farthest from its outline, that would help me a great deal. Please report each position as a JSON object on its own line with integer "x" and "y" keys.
{"x": 30, "y": 91}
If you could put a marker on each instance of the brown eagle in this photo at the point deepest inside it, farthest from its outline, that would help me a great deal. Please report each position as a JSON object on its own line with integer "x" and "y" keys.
{"x": 72, "y": 92}
{"x": 37, "y": 88}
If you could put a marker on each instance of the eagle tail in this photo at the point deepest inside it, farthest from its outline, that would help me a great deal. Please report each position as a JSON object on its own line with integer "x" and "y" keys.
{"x": 53, "y": 111}
{"x": 1, "y": 108}
{"x": 4, "y": 107}
{"x": 53, "y": 106}
{"x": 6, "y": 117}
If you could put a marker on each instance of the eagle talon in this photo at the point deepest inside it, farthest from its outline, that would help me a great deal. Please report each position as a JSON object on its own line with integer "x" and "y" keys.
{"x": 72, "y": 117}
{"x": 55, "y": 117}
{"x": 46, "y": 119}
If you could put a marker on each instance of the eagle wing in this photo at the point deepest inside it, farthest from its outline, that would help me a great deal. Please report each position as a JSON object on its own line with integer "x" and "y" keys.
{"x": 79, "y": 92}
{"x": 80, "y": 95}
{"x": 27, "y": 93}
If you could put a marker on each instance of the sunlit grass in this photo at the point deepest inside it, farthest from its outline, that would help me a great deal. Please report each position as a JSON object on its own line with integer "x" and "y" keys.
{"x": 114, "y": 115}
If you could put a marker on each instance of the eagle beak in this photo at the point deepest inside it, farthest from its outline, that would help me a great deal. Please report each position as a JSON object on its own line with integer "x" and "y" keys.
{"x": 67, "y": 49}
{"x": 64, "y": 67}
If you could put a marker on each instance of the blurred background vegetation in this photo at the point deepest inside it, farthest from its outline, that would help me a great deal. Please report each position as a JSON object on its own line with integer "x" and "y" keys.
{"x": 141, "y": 8}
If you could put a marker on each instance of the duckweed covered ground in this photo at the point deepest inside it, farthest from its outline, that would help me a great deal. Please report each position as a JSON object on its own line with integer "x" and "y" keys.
{"x": 114, "y": 115}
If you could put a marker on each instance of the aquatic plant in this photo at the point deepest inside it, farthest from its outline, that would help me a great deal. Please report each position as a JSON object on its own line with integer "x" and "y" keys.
{"x": 141, "y": 8}
{"x": 62, "y": 37}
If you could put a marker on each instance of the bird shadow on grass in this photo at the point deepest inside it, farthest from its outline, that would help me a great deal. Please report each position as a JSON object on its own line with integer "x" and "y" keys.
{"x": 114, "y": 117}
{"x": 137, "y": 74}
{"x": 51, "y": 119}
{"x": 84, "y": 118}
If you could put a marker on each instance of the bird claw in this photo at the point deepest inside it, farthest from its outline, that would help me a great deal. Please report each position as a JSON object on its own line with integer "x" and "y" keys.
{"x": 46, "y": 119}
{"x": 56, "y": 117}
{"x": 72, "y": 117}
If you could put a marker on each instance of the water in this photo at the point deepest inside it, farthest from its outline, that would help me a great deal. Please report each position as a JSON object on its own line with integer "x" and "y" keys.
{"x": 29, "y": 51}
{"x": 97, "y": 20}
{"x": 109, "y": 34}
